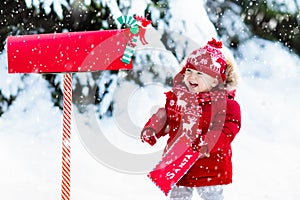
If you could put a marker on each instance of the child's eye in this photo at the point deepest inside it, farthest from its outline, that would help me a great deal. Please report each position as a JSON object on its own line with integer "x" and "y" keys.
{"x": 199, "y": 73}
{"x": 188, "y": 71}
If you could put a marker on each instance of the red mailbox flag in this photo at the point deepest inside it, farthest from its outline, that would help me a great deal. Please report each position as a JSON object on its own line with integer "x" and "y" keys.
{"x": 68, "y": 52}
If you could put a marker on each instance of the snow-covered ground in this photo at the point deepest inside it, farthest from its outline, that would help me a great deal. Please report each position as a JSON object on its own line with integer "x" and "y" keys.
{"x": 265, "y": 152}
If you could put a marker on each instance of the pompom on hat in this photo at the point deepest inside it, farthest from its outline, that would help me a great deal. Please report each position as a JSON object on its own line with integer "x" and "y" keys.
{"x": 208, "y": 59}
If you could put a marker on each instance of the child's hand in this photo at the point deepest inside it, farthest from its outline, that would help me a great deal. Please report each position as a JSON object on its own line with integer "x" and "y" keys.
{"x": 201, "y": 147}
{"x": 148, "y": 135}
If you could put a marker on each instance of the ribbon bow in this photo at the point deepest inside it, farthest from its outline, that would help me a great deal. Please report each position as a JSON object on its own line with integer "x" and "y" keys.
{"x": 145, "y": 22}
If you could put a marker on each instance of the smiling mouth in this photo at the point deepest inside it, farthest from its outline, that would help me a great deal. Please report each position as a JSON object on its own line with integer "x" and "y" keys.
{"x": 193, "y": 85}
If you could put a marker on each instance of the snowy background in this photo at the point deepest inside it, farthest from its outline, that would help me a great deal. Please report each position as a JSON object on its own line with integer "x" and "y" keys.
{"x": 265, "y": 152}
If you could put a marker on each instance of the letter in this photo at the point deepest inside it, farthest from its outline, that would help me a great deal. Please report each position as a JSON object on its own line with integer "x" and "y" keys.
{"x": 170, "y": 175}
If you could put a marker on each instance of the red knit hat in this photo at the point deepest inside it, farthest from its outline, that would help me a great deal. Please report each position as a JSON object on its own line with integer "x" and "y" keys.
{"x": 208, "y": 59}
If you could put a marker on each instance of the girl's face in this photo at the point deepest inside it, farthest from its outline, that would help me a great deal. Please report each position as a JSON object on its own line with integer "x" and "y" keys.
{"x": 197, "y": 81}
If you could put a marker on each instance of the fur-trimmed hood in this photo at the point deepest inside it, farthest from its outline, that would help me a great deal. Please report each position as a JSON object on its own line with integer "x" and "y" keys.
{"x": 232, "y": 77}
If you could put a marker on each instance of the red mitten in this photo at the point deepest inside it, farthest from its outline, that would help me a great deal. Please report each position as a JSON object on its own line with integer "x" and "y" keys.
{"x": 148, "y": 135}
{"x": 157, "y": 123}
{"x": 200, "y": 146}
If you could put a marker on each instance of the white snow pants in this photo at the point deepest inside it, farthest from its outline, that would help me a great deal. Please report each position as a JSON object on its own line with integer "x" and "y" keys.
{"x": 206, "y": 192}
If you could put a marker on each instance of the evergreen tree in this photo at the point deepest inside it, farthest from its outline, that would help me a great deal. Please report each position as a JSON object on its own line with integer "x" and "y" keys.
{"x": 271, "y": 21}
{"x": 18, "y": 19}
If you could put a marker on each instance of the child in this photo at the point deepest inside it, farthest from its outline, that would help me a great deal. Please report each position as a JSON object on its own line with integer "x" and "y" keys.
{"x": 201, "y": 104}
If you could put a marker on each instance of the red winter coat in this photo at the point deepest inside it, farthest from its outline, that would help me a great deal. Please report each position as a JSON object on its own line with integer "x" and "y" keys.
{"x": 219, "y": 123}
